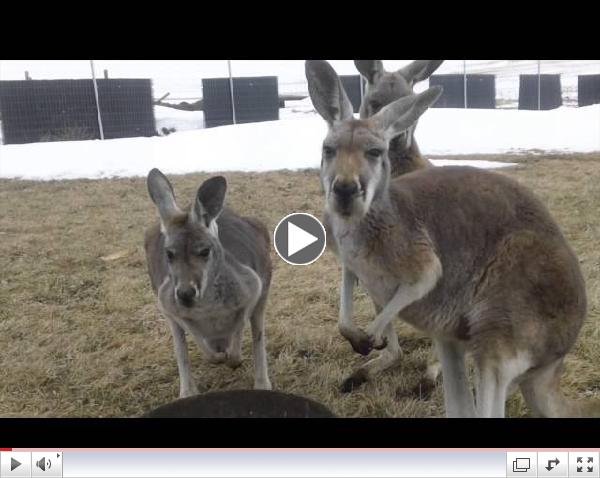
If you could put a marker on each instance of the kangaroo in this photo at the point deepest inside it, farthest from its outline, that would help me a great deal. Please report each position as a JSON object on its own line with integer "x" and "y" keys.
{"x": 211, "y": 271}
{"x": 468, "y": 256}
{"x": 385, "y": 87}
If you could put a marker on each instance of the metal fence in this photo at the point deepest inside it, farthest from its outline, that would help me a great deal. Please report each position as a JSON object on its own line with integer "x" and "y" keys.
{"x": 43, "y": 100}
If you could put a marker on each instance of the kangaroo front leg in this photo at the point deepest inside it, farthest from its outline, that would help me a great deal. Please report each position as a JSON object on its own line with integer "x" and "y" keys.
{"x": 457, "y": 393}
{"x": 404, "y": 296}
{"x": 353, "y": 334}
{"x": 257, "y": 323}
{"x": 187, "y": 387}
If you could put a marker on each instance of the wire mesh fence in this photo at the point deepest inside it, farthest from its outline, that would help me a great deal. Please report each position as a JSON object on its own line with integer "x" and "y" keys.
{"x": 43, "y": 100}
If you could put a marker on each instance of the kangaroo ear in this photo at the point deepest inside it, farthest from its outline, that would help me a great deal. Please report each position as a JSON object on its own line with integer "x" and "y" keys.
{"x": 161, "y": 193}
{"x": 210, "y": 199}
{"x": 403, "y": 113}
{"x": 370, "y": 69}
{"x": 419, "y": 70}
{"x": 326, "y": 92}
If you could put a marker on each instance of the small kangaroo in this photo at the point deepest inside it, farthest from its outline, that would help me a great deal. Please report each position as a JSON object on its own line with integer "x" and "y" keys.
{"x": 385, "y": 87}
{"x": 469, "y": 256}
{"x": 211, "y": 271}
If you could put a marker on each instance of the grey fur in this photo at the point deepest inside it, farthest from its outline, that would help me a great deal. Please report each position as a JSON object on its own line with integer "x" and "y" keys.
{"x": 225, "y": 289}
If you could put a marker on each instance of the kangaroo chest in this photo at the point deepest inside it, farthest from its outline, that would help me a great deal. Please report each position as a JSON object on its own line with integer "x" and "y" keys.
{"x": 212, "y": 321}
{"x": 367, "y": 267}
{"x": 219, "y": 313}
{"x": 373, "y": 265}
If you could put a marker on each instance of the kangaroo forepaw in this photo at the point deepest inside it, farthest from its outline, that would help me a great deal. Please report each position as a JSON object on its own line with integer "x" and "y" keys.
{"x": 366, "y": 343}
{"x": 379, "y": 344}
{"x": 360, "y": 342}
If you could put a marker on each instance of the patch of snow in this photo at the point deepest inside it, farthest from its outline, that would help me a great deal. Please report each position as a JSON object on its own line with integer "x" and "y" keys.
{"x": 295, "y": 143}
{"x": 181, "y": 120}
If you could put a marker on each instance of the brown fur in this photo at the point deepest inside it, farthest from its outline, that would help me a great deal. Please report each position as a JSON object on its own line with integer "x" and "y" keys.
{"x": 511, "y": 283}
{"x": 405, "y": 160}
{"x": 386, "y": 87}
{"x": 468, "y": 256}
{"x": 507, "y": 267}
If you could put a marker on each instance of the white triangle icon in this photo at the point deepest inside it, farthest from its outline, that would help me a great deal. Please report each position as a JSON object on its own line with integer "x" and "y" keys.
{"x": 298, "y": 239}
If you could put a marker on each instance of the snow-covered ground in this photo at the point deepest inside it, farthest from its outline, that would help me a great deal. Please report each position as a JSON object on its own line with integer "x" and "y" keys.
{"x": 295, "y": 142}
{"x": 166, "y": 117}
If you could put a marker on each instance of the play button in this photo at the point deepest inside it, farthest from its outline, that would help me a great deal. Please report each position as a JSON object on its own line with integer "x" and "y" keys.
{"x": 299, "y": 239}
{"x": 15, "y": 464}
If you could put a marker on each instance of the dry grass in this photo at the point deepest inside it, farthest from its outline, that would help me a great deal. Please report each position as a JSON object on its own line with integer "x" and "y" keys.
{"x": 80, "y": 334}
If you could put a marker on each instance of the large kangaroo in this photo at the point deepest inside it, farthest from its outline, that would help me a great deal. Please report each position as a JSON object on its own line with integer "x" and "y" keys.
{"x": 385, "y": 87}
{"x": 211, "y": 271}
{"x": 469, "y": 256}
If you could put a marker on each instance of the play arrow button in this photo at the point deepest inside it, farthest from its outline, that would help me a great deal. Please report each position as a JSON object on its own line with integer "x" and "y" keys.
{"x": 299, "y": 239}
{"x": 15, "y": 463}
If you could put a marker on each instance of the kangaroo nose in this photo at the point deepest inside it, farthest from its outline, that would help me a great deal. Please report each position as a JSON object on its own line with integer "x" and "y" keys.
{"x": 186, "y": 296}
{"x": 345, "y": 190}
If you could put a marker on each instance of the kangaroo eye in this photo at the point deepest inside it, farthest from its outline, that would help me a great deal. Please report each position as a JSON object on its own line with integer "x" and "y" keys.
{"x": 170, "y": 254}
{"x": 203, "y": 252}
{"x": 374, "y": 153}
{"x": 328, "y": 152}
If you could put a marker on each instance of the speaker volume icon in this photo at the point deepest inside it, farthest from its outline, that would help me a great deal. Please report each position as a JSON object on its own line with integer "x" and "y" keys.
{"x": 43, "y": 463}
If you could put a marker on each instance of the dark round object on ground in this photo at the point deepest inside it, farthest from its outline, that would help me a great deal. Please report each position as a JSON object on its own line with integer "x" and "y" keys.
{"x": 243, "y": 404}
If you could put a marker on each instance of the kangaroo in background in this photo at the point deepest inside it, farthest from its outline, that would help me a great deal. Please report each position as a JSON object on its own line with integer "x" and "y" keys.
{"x": 385, "y": 87}
{"x": 211, "y": 271}
{"x": 468, "y": 256}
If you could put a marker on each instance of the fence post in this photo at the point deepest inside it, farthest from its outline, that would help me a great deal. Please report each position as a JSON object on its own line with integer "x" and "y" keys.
{"x": 106, "y": 74}
{"x": 27, "y": 77}
{"x": 539, "y": 86}
{"x": 231, "y": 89}
{"x": 465, "y": 81}
{"x": 97, "y": 101}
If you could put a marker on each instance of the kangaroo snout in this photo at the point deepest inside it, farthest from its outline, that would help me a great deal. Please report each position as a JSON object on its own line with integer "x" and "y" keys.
{"x": 345, "y": 192}
{"x": 186, "y": 295}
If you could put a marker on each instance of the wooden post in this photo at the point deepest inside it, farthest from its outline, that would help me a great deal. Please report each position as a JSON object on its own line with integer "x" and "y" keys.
{"x": 106, "y": 74}
{"x": 27, "y": 77}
